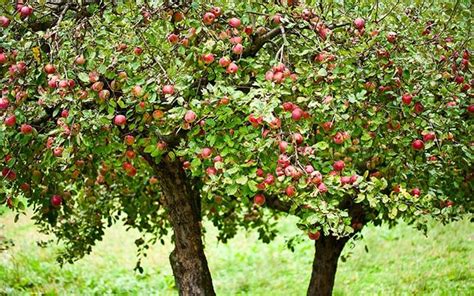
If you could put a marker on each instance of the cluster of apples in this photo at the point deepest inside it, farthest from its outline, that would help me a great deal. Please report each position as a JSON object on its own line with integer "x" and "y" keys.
{"x": 279, "y": 73}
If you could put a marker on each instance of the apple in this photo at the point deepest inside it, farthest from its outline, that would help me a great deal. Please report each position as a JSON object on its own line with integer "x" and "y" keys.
{"x": 290, "y": 191}
{"x": 80, "y": 60}
{"x": 469, "y": 108}
{"x": 236, "y": 40}
{"x": 26, "y": 129}
{"x": 238, "y": 49}
{"x": 296, "y": 114}
{"x": 218, "y": 158}
{"x": 269, "y": 179}
{"x": 137, "y": 90}
{"x": 224, "y": 62}
{"x": 206, "y": 153}
{"x": 161, "y": 145}
{"x": 418, "y": 145}
{"x": 129, "y": 140}
{"x": 173, "y": 38}
{"x": 419, "y": 107}
{"x": 415, "y": 192}
{"x": 338, "y": 138}
{"x": 234, "y": 22}
{"x": 259, "y": 199}
{"x": 26, "y": 11}
{"x": 208, "y": 58}
{"x": 104, "y": 94}
{"x": 359, "y": 23}
{"x": 9, "y": 174}
{"x": 260, "y": 172}
{"x": 232, "y": 68}
{"x": 407, "y": 98}
{"x": 429, "y": 137}
{"x": 168, "y": 89}
{"x": 288, "y": 106}
{"x": 190, "y": 116}
{"x": 208, "y": 18}
{"x": 391, "y": 37}
{"x": 10, "y": 120}
{"x": 4, "y": 21}
{"x": 322, "y": 188}
{"x": 345, "y": 180}
{"x": 210, "y": 171}
{"x": 120, "y": 120}
{"x": 186, "y": 165}
{"x": 3, "y": 58}
{"x": 314, "y": 235}
{"x": 49, "y": 69}
{"x": 56, "y": 201}
{"x": 298, "y": 138}
{"x": 276, "y": 19}
{"x": 58, "y": 151}
{"x": 4, "y": 103}
{"x": 338, "y": 165}
{"x": 217, "y": 11}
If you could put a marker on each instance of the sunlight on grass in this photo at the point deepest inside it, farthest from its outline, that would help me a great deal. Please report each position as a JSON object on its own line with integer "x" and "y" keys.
{"x": 400, "y": 261}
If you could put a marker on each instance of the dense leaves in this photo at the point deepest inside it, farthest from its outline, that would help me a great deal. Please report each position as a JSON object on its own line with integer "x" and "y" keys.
{"x": 339, "y": 113}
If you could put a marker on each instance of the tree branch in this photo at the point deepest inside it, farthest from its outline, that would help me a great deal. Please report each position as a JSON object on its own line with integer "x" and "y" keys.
{"x": 260, "y": 41}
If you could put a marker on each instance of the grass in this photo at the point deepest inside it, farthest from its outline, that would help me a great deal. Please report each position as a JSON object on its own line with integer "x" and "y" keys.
{"x": 401, "y": 261}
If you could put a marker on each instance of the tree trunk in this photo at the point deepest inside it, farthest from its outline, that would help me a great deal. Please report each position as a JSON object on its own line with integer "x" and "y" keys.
{"x": 328, "y": 250}
{"x": 188, "y": 260}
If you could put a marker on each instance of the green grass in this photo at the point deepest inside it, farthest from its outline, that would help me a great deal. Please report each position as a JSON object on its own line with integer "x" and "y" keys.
{"x": 401, "y": 261}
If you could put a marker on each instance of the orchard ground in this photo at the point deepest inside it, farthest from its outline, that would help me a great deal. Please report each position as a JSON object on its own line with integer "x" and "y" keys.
{"x": 401, "y": 261}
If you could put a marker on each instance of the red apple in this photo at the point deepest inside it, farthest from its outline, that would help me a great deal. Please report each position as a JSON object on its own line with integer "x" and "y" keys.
{"x": 129, "y": 140}
{"x": 338, "y": 165}
{"x": 206, "y": 153}
{"x": 224, "y": 61}
{"x": 322, "y": 188}
{"x": 217, "y": 11}
{"x": 26, "y": 11}
{"x": 4, "y": 103}
{"x": 56, "y": 201}
{"x": 173, "y": 38}
{"x": 416, "y": 192}
{"x": 359, "y": 23}
{"x": 429, "y": 137}
{"x": 234, "y": 22}
{"x": 407, "y": 98}
{"x": 208, "y": 58}
{"x": 10, "y": 120}
{"x": 49, "y": 69}
{"x": 3, "y": 58}
{"x": 168, "y": 89}
{"x": 259, "y": 199}
{"x": 260, "y": 172}
{"x": 296, "y": 114}
{"x": 232, "y": 68}
{"x": 238, "y": 49}
{"x": 9, "y": 174}
{"x": 26, "y": 129}
{"x": 391, "y": 37}
{"x": 418, "y": 145}
{"x": 4, "y": 21}
{"x": 138, "y": 50}
{"x": 208, "y": 18}
{"x": 120, "y": 120}
{"x": 290, "y": 191}
{"x": 190, "y": 116}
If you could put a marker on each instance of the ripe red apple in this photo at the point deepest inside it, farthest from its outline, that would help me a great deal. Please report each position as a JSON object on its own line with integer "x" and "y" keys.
{"x": 322, "y": 188}
{"x": 58, "y": 151}
{"x": 238, "y": 49}
{"x": 10, "y": 120}
{"x": 290, "y": 190}
{"x": 459, "y": 79}
{"x": 288, "y": 106}
{"x": 186, "y": 165}
{"x": 210, "y": 171}
{"x": 3, "y": 58}
{"x": 173, "y": 38}
{"x": 161, "y": 145}
{"x": 276, "y": 19}
{"x": 224, "y": 61}
{"x": 359, "y": 23}
{"x": 26, "y": 11}
{"x": 130, "y": 154}
{"x": 168, "y": 89}
{"x": 391, "y": 37}
{"x": 26, "y": 129}
{"x": 190, "y": 116}
{"x": 260, "y": 172}
{"x": 298, "y": 138}
{"x": 120, "y": 120}
{"x": 419, "y": 108}
{"x": 259, "y": 199}
{"x": 49, "y": 69}
{"x": 429, "y": 137}
{"x": 208, "y": 58}
{"x": 9, "y": 174}
{"x": 138, "y": 50}
{"x": 416, "y": 192}
{"x": 56, "y": 201}
{"x": 208, "y": 18}
{"x": 407, "y": 98}
{"x": 470, "y": 108}
{"x": 296, "y": 114}
{"x": 314, "y": 235}
{"x": 345, "y": 180}
{"x": 269, "y": 179}
{"x": 234, "y": 22}
{"x": 206, "y": 153}
{"x": 217, "y": 11}
{"x": 4, "y": 21}
{"x": 232, "y": 68}
{"x": 338, "y": 165}
{"x": 418, "y": 145}
{"x": 4, "y": 103}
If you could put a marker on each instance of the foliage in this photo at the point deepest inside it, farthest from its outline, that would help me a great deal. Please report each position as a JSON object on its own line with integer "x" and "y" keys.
{"x": 354, "y": 123}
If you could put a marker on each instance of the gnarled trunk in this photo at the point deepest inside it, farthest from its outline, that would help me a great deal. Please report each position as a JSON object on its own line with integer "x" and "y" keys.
{"x": 188, "y": 260}
{"x": 328, "y": 250}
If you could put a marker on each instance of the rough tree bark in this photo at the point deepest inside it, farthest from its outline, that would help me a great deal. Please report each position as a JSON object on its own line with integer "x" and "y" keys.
{"x": 188, "y": 260}
{"x": 328, "y": 250}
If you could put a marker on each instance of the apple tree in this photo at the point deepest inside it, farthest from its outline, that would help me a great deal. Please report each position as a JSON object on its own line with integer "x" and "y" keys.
{"x": 162, "y": 113}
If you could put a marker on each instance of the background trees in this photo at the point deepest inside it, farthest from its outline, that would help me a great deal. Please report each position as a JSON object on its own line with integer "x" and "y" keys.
{"x": 157, "y": 113}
